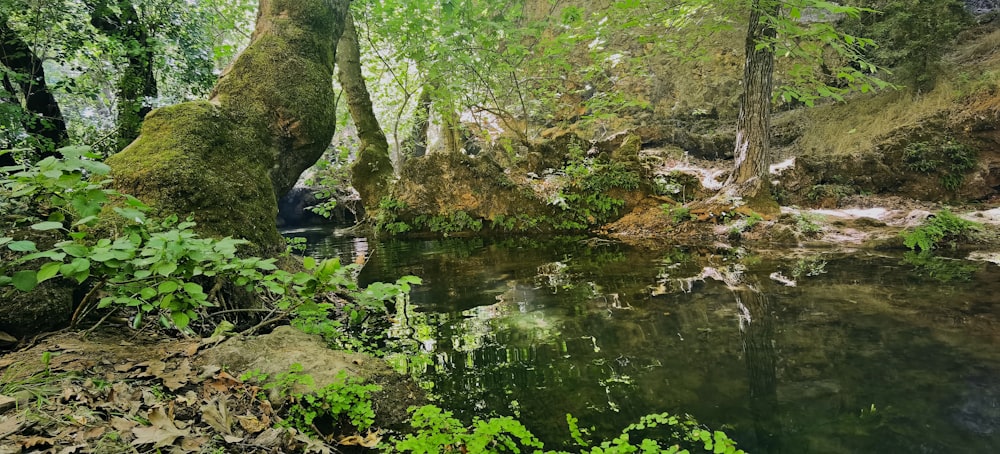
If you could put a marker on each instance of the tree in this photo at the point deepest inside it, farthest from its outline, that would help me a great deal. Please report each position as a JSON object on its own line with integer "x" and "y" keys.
{"x": 136, "y": 86}
{"x": 371, "y": 173}
{"x": 271, "y": 115}
{"x": 25, "y": 80}
{"x": 779, "y": 27}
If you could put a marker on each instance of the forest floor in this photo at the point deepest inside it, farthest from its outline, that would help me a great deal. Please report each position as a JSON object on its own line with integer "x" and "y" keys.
{"x": 118, "y": 391}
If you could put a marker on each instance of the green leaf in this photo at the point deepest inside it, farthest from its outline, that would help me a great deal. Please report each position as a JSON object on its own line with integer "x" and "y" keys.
{"x": 25, "y": 281}
{"x": 148, "y": 293}
{"x": 48, "y": 225}
{"x": 48, "y": 271}
{"x": 192, "y": 289}
{"x": 22, "y": 246}
{"x": 309, "y": 262}
{"x": 180, "y": 319}
{"x": 167, "y": 287}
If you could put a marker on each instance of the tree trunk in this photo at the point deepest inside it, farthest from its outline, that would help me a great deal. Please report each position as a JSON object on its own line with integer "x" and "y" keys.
{"x": 43, "y": 119}
{"x": 371, "y": 173}
{"x": 416, "y": 145}
{"x": 271, "y": 115}
{"x": 137, "y": 84}
{"x": 753, "y": 128}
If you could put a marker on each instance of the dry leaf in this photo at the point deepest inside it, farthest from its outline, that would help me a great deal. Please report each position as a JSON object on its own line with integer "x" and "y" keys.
{"x": 232, "y": 439}
{"x": 7, "y": 402}
{"x": 125, "y": 367}
{"x": 178, "y": 378}
{"x": 35, "y": 442}
{"x": 153, "y": 369}
{"x": 11, "y": 425}
{"x": 91, "y": 434}
{"x": 161, "y": 432}
{"x": 368, "y": 441}
{"x": 252, "y": 424}
{"x": 192, "y": 444}
{"x": 192, "y": 349}
{"x": 73, "y": 449}
{"x": 122, "y": 424}
{"x": 208, "y": 372}
{"x": 216, "y": 414}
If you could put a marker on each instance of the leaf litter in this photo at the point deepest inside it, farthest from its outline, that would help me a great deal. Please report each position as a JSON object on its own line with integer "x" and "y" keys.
{"x": 67, "y": 395}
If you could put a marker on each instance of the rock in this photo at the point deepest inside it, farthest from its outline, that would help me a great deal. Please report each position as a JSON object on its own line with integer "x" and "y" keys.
{"x": 275, "y": 353}
{"x": 46, "y": 308}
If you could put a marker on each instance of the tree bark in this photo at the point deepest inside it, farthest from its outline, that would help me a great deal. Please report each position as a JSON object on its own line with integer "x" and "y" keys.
{"x": 417, "y": 143}
{"x": 137, "y": 84}
{"x": 753, "y": 128}
{"x": 43, "y": 119}
{"x": 371, "y": 173}
{"x": 226, "y": 161}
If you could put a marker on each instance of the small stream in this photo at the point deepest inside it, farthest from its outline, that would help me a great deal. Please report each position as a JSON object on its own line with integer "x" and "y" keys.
{"x": 867, "y": 352}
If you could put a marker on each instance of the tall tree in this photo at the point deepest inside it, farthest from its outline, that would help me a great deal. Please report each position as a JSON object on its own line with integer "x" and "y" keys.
{"x": 42, "y": 118}
{"x": 781, "y": 28}
{"x": 271, "y": 115}
{"x": 136, "y": 86}
{"x": 371, "y": 173}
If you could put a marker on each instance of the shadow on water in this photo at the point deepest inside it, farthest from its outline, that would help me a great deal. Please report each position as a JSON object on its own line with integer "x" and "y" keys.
{"x": 865, "y": 353}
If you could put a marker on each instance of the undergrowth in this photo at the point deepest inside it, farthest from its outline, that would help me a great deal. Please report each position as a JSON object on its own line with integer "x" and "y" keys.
{"x": 941, "y": 228}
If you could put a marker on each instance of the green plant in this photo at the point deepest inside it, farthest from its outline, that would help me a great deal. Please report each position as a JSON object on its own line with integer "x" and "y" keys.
{"x": 943, "y": 226}
{"x": 806, "y": 224}
{"x": 386, "y": 218}
{"x": 585, "y": 197}
{"x": 344, "y": 403}
{"x": 679, "y": 213}
{"x": 456, "y": 221}
{"x": 437, "y": 431}
{"x": 949, "y": 160}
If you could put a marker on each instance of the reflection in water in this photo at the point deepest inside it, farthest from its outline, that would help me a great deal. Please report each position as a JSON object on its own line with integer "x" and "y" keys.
{"x": 871, "y": 356}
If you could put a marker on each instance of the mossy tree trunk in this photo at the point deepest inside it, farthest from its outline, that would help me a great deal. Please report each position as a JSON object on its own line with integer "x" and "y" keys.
{"x": 372, "y": 172}
{"x": 271, "y": 115}
{"x": 416, "y": 145}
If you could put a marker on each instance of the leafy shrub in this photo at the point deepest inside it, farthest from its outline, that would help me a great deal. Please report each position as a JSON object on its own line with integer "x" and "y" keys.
{"x": 949, "y": 160}
{"x": 943, "y": 226}
{"x": 160, "y": 267}
{"x": 344, "y": 403}
{"x": 437, "y": 431}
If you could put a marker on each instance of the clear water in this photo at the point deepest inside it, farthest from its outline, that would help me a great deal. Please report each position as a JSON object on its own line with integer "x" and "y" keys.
{"x": 871, "y": 354}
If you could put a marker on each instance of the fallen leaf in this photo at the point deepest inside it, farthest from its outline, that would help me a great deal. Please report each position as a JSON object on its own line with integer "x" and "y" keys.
{"x": 73, "y": 449}
{"x": 192, "y": 349}
{"x": 177, "y": 378}
{"x": 7, "y": 402}
{"x": 208, "y": 372}
{"x": 122, "y": 424}
{"x": 125, "y": 367}
{"x": 232, "y": 439}
{"x": 161, "y": 431}
{"x": 252, "y": 424}
{"x": 193, "y": 444}
{"x": 368, "y": 441}
{"x": 10, "y": 425}
{"x": 35, "y": 442}
{"x": 153, "y": 369}
{"x": 216, "y": 414}
{"x": 91, "y": 434}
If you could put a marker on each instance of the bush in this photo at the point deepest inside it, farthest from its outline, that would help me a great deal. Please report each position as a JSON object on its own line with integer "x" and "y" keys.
{"x": 941, "y": 227}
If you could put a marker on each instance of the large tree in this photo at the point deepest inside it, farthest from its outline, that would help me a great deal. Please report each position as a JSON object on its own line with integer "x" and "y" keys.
{"x": 371, "y": 173}
{"x": 271, "y": 115}
{"x": 24, "y": 83}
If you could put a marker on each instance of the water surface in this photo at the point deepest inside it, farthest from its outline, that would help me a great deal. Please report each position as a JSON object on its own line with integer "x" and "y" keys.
{"x": 869, "y": 353}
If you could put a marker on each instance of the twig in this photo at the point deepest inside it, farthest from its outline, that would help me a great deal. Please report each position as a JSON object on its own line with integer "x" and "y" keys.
{"x": 92, "y": 328}
{"x": 85, "y": 302}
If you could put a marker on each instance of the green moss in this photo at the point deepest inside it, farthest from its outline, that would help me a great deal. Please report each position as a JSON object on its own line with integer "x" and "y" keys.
{"x": 193, "y": 159}
{"x": 371, "y": 173}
